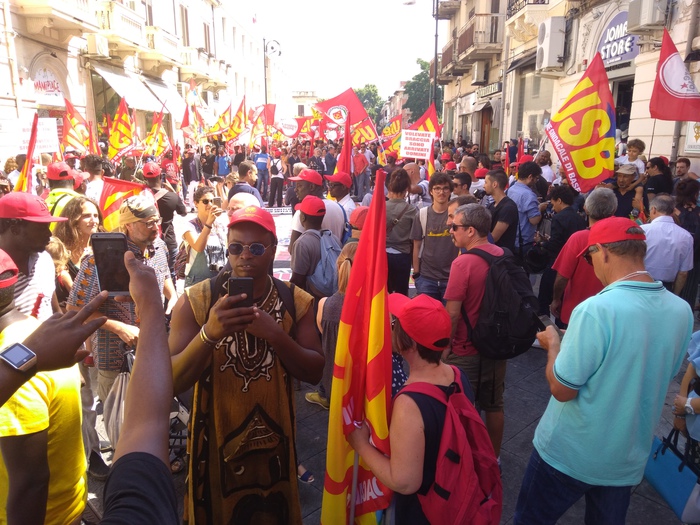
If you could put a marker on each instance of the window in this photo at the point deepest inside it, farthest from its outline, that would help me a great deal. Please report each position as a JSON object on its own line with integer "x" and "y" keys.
{"x": 184, "y": 26}
{"x": 148, "y": 7}
{"x": 207, "y": 39}
{"x": 300, "y": 110}
{"x": 233, "y": 37}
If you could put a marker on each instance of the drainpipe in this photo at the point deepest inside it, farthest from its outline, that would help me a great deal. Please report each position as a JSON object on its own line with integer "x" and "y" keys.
{"x": 692, "y": 30}
{"x": 504, "y": 92}
{"x": 12, "y": 55}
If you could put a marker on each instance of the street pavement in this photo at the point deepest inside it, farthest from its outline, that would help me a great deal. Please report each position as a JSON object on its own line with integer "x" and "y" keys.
{"x": 526, "y": 396}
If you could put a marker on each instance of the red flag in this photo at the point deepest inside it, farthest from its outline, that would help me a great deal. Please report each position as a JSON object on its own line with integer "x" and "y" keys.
{"x": 506, "y": 165}
{"x": 392, "y": 128}
{"x": 114, "y": 192}
{"x": 75, "y": 129}
{"x": 361, "y": 377}
{"x": 339, "y": 107}
{"x": 675, "y": 96}
{"x": 24, "y": 182}
{"x": 343, "y": 163}
{"x": 94, "y": 147}
{"x": 428, "y": 121}
{"x": 521, "y": 149}
{"x": 583, "y": 130}
{"x": 238, "y": 124}
{"x": 121, "y": 136}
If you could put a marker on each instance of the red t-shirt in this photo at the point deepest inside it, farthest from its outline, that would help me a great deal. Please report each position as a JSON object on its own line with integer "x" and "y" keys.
{"x": 467, "y": 284}
{"x": 583, "y": 282}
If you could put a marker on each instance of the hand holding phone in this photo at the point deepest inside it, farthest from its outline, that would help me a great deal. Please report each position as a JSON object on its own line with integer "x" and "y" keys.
{"x": 240, "y": 285}
{"x": 109, "y": 250}
{"x": 217, "y": 202}
{"x": 543, "y": 321}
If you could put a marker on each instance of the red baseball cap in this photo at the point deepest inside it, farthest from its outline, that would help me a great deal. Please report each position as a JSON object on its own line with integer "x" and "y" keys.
{"x": 342, "y": 177}
{"x": 309, "y": 175}
{"x": 451, "y": 165}
{"x": 79, "y": 177}
{"x": 59, "y": 171}
{"x": 252, "y": 214}
{"x": 25, "y": 206}
{"x": 7, "y": 265}
{"x": 612, "y": 229}
{"x": 358, "y": 217}
{"x": 480, "y": 173}
{"x": 423, "y": 318}
{"x": 392, "y": 155}
{"x": 446, "y": 156}
{"x": 71, "y": 155}
{"x": 312, "y": 205}
{"x": 151, "y": 170}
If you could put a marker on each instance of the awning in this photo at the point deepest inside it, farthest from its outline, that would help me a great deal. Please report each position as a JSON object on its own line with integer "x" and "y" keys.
{"x": 168, "y": 95}
{"x": 480, "y": 106}
{"x": 129, "y": 86}
{"x": 527, "y": 59}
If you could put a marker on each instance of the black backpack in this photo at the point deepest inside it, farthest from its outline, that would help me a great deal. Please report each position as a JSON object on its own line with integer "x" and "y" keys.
{"x": 507, "y": 324}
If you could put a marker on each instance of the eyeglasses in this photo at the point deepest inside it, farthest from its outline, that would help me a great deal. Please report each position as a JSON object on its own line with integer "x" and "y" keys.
{"x": 206, "y": 201}
{"x": 256, "y": 248}
{"x": 588, "y": 253}
{"x": 152, "y": 224}
{"x": 456, "y": 226}
{"x": 443, "y": 189}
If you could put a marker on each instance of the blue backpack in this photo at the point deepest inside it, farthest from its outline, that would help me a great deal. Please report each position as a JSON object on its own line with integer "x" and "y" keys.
{"x": 347, "y": 228}
{"x": 325, "y": 276}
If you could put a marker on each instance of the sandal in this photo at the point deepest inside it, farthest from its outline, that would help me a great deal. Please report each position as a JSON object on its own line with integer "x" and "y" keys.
{"x": 306, "y": 477}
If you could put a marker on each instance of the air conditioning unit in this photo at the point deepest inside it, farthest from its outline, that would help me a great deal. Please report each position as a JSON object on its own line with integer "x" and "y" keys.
{"x": 183, "y": 88}
{"x": 646, "y": 15}
{"x": 97, "y": 45}
{"x": 479, "y": 73}
{"x": 550, "y": 43}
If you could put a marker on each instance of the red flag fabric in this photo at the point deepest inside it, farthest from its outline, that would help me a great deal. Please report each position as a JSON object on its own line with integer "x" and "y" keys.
{"x": 583, "y": 130}
{"x": 345, "y": 156}
{"x": 428, "y": 122}
{"x": 121, "y": 136}
{"x": 114, "y": 191}
{"x": 75, "y": 129}
{"x": 361, "y": 388}
{"x": 339, "y": 107}
{"x": 521, "y": 149}
{"x": 238, "y": 123}
{"x": 24, "y": 182}
{"x": 392, "y": 128}
{"x": 94, "y": 147}
{"x": 675, "y": 96}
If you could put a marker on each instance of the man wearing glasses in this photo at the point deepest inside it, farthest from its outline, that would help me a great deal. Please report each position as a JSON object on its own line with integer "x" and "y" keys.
{"x": 433, "y": 249}
{"x": 240, "y": 360}
{"x": 140, "y": 221}
{"x": 611, "y": 354}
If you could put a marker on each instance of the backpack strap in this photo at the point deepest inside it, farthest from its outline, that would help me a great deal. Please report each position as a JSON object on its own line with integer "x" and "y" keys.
{"x": 55, "y": 204}
{"x": 161, "y": 193}
{"x": 432, "y": 390}
{"x": 397, "y": 219}
{"x": 286, "y": 294}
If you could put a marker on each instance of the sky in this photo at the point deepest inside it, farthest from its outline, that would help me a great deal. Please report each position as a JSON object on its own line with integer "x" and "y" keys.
{"x": 329, "y": 46}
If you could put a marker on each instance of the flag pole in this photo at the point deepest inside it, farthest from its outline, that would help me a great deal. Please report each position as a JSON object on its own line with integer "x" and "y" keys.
{"x": 353, "y": 491}
{"x": 651, "y": 142}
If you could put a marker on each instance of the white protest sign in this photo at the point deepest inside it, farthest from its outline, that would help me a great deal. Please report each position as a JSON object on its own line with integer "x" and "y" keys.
{"x": 416, "y": 144}
{"x": 46, "y": 136}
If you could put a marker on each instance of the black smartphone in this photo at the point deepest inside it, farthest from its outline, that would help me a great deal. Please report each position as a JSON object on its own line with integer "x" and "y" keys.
{"x": 217, "y": 202}
{"x": 239, "y": 285}
{"x": 543, "y": 321}
{"x": 109, "y": 250}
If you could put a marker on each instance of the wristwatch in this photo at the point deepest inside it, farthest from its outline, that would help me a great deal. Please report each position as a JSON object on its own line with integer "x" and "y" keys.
{"x": 688, "y": 407}
{"x": 19, "y": 357}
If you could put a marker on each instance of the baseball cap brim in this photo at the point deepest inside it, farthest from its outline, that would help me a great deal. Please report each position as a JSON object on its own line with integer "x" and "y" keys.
{"x": 397, "y": 301}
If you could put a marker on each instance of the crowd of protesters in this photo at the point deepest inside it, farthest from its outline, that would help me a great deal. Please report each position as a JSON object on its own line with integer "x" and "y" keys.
{"x": 609, "y": 266}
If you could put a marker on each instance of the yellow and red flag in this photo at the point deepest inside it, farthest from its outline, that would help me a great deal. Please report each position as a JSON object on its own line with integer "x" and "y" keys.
{"x": 583, "y": 130}
{"x": 222, "y": 125}
{"x": 392, "y": 128}
{"x": 428, "y": 122}
{"x": 361, "y": 378}
{"x": 114, "y": 192}
{"x": 344, "y": 159}
{"x": 76, "y": 134}
{"x": 156, "y": 141}
{"x": 122, "y": 134}
{"x": 24, "y": 182}
{"x": 94, "y": 146}
{"x": 238, "y": 123}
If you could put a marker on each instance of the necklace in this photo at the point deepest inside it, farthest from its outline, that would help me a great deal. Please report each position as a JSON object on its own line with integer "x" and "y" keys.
{"x": 633, "y": 274}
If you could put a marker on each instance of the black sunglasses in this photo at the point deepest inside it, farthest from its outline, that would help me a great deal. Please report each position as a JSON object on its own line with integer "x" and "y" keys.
{"x": 255, "y": 248}
{"x": 588, "y": 253}
{"x": 456, "y": 226}
{"x": 206, "y": 201}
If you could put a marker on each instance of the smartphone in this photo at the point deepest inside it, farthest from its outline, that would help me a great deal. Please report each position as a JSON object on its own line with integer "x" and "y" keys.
{"x": 544, "y": 321}
{"x": 109, "y": 250}
{"x": 217, "y": 202}
{"x": 239, "y": 285}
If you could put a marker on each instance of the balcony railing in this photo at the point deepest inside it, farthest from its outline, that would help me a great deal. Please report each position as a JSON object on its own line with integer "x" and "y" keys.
{"x": 483, "y": 33}
{"x": 163, "y": 42}
{"x": 447, "y": 55}
{"x": 65, "y": 13}
{"x": 514, "y": 6}
{"x": 447, "y": 8}
{"x": 119, "y": 22}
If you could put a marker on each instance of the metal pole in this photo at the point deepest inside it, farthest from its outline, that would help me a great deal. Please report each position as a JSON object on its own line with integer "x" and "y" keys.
{"x": 265, "y": 67}
{"x": 433, "y": 98}
{"x": 688, "y": 48}
{"x": 353, "y": 489}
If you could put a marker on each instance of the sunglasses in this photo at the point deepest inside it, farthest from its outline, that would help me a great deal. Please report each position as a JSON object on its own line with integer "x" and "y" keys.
{"x": 206, "y": 201}
{"x": 256, "y": 248}
{"x": 456, "y": 227}
{"x": 588, "y": 253}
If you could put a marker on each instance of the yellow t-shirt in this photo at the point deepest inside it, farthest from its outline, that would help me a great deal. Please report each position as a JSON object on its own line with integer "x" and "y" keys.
{"x": 48, "y": 400}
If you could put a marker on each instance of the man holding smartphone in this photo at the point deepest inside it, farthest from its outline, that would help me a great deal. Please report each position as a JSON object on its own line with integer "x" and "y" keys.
{"x": 139, "y": 220}
{"x": 240, "y": 361}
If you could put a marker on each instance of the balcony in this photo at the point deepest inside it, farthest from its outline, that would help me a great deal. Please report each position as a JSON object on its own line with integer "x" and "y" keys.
{"x": 122, "y": 26}
{"x": 62, "y": 15}
{"x": 447, "y": 58}
{"x": 515, "y": 6}
{"x": 195, "y": 63}
{"x": 162, "y": 46}
{"x": 447, "y": 8}
{"x": 524, "y": 18}
{"x": 481, "y": 37}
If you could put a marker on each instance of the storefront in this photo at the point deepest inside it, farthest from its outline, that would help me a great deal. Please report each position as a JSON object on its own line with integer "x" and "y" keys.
{"x": 490, "y": 117}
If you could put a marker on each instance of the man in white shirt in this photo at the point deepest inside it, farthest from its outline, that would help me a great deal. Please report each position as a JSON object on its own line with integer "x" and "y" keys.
{"x": 310, "y": 182}
{"x": 669, "y": 255}
{"x": 339, "y": 188}
{"x": 13, "y": 176}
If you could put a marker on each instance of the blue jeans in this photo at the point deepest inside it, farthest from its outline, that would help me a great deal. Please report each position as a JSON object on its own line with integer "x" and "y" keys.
{"x": 546, "y": 494}
{"x": 362, "y": 181}
{"x": 261, "y": 184}
{"x": 399, "y": 265}
{"x": 435, "y": 289}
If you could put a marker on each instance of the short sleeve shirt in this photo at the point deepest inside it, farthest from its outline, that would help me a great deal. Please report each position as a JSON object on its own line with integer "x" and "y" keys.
{"x": 505, "y": 211}
{"x": 334, "y": 220}
{"x": 526, "y": 201}
{"x": 438, "y": 249}
{"x": 306, "y": 253}
{"x": 33, "y": 292}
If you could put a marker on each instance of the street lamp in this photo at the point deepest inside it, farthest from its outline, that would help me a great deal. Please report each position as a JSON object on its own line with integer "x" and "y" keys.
{"x": 433, "y": 89}
{"x": 270, "y": 48}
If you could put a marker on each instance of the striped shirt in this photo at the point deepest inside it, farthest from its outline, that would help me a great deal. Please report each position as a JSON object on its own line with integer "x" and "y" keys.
{"x": 33, "y": 292}
{"x": 109, "y": 349}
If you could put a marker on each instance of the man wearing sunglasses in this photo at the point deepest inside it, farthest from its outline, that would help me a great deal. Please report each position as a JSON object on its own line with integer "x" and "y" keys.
{"x": 240, "y": 360}
{"x": 140, "y": 221}
{"x": 608, "y": 377}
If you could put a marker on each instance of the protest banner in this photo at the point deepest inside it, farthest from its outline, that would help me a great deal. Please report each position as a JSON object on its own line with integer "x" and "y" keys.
{"x": 416, "y": 144}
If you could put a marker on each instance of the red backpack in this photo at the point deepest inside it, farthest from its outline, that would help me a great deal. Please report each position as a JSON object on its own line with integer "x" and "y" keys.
{"x": 467, "y": 487}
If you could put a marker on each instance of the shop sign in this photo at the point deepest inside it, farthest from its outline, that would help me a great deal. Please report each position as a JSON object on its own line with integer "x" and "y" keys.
{"x": 615, "y": 44}
{"x": 692, "y": 138}
{"x": 489, "y": 90}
